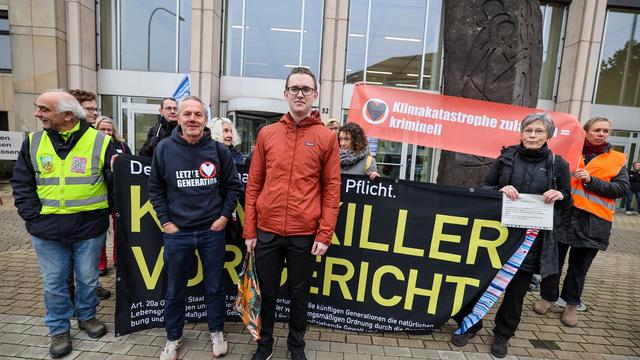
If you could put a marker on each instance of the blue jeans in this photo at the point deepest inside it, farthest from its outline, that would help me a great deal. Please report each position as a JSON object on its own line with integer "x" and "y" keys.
{"x": 55, "y": 259}
{"x": 179, "y": 257}
{"x": 628, "y": 201}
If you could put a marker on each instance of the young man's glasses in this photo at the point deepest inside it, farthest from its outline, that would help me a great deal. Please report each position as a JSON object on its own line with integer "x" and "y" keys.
{"x": 294, "y": 90}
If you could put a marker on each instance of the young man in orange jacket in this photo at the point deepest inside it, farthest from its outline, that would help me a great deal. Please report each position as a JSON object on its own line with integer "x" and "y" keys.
{"x": 291, "y": 206}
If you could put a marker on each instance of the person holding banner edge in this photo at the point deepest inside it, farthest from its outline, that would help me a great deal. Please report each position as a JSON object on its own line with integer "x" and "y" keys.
{"x": 291, "y": 207}
{"x": 194, "y": 188}
{"x": 600, "y": 179}
{"x": 529, "y": 167}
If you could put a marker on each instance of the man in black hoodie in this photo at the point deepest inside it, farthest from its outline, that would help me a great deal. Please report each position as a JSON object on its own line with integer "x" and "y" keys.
{"x": 164, "y": 127}
{"x": 61, "y": 186}
{"x": 194, "y": 188}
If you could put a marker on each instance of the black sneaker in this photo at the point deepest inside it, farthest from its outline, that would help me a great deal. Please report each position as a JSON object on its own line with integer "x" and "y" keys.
{"x": 461, "y": 340}
{"x": 103, "y": 293}
{"x": 262, "y": 354}
{"x": 60, "y": 345}
{"x": 499, "y": 346}
{"x": 93, "y": 327}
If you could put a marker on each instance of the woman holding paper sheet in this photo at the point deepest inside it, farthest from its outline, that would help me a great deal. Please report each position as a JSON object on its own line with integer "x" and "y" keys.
{"x": 531, "y": 168}
{"x": 585, "y": 228}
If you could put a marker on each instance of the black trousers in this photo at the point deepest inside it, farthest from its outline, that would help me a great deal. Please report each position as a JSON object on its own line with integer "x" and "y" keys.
{"x": 271, "y": 252}
{"x": 509, "y": 313}
{"x": 580, "y": 260}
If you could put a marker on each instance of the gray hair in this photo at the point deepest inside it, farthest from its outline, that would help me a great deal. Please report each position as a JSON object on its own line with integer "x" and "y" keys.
{"x": 192, "y": 98}
{"x": 594, "y": 120}
{"x": 107, "y": 120}
{"x": 545, "y": 119}
{"x": 216, "y": 128}
{"x": 69, "y": 104}
{"x": 72, "y": 106}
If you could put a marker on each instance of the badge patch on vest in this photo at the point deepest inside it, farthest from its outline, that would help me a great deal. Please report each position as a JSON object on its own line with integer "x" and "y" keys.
{"x": 79, "y": 165}
{"x": 46, "y": 163}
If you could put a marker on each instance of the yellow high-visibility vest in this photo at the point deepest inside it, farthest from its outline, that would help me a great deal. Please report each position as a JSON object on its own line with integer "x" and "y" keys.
{"x": 75, "y": 184}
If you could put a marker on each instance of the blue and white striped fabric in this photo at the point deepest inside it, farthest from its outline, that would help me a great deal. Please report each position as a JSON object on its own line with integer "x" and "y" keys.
{"x": 183, "y": 90}
{"x": 499, "y": 283}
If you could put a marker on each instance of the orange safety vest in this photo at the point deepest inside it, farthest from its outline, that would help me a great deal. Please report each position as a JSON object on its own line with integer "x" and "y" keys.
{"x": 604, "y": 167}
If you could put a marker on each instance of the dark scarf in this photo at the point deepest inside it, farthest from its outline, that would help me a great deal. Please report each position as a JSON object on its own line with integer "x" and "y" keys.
{"x": 594, "y": 150}
{"x": 533, "y": 155}
{"x": 348, "y": 158}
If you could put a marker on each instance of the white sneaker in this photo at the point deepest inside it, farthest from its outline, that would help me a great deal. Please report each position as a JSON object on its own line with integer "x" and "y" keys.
{"x": 628, "y": 212}
{"x": 219, "y": 344}
{"x": 561, "y": 303}
{"x": 170, "y": 351}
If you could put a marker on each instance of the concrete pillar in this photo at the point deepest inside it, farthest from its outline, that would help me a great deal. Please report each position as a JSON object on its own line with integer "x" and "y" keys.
{"x": 581, "y": 53}
{"x": 81, "y": 45}
{"x": 206, "y": 49}
{"x": 334, "y": 56}
{"x": 38, "y": 54}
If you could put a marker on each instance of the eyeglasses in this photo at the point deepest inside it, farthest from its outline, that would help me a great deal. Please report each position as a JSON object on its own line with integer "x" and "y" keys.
{"x": 538, "y": 132}
{"x": 168, "y": 108}
{"x": 294, "y": 90}
{"x": 91, "y": 109}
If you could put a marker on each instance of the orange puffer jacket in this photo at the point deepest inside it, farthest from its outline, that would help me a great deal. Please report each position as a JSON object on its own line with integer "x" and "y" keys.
{"x": 294, "y": 180}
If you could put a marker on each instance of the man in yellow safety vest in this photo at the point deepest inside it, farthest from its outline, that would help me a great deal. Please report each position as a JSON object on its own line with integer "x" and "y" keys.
{"x": 60, "y": 186}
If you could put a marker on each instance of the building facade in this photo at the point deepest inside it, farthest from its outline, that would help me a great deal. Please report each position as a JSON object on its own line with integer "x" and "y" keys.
{"x": 132, "y": 53}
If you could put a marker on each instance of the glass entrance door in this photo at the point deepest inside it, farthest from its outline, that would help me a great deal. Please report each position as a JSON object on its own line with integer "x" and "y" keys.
{"x": 247, "y": 124}
{"x": 628, "y": 143}
{"x": 139, "y": 115}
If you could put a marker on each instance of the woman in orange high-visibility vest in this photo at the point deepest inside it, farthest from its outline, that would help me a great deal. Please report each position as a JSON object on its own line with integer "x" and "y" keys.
{"x": 585, "y": 228}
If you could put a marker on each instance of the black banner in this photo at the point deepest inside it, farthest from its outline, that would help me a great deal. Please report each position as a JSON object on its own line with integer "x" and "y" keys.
{"x": 405, "y": 255}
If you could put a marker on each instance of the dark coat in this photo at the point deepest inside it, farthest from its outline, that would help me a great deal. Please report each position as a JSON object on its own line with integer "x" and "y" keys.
{"x": 159, "y": 131}
{"x": 66, "y": 228}
{"x": 238, "y": 157}
{"x": 634, "y": 180}
{"x": 580, "y": 228}
{"x": 533, "y": 172}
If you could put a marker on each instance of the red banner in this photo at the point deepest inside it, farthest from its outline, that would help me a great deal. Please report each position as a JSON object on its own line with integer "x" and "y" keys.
{"x": 452, "y": 123}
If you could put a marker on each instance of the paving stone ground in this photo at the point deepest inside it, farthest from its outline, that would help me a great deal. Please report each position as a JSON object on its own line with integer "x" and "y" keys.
{"x": 609, "y": 329}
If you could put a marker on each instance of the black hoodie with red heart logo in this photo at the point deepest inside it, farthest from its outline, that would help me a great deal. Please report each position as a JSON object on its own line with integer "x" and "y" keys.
{"x": 192, "y": 185}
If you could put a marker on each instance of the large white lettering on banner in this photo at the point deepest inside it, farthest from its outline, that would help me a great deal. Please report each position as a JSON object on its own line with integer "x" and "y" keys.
{"x": 10, "y": 143}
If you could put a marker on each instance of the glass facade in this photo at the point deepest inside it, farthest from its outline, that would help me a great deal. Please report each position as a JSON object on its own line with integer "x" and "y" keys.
{"x": 145, "y": 36}
{"x": 266, "y": 39}
{"x": 395, "y": 43}
{"x": 5, "y": 45}
{"x": 619, "y": 75}
{"x": 553, "y": 28}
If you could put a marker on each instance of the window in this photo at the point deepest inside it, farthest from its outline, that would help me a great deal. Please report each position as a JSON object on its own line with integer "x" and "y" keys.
{"x": 145, "y": 36}
{"x": 266, "y": 39}
{"x": 395, "y": 44}
{"x": 4, "y": 121}
{"x": 553, "y": 27}
{"x": 619, "y": 75}
{"x": 5, "y": 46}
